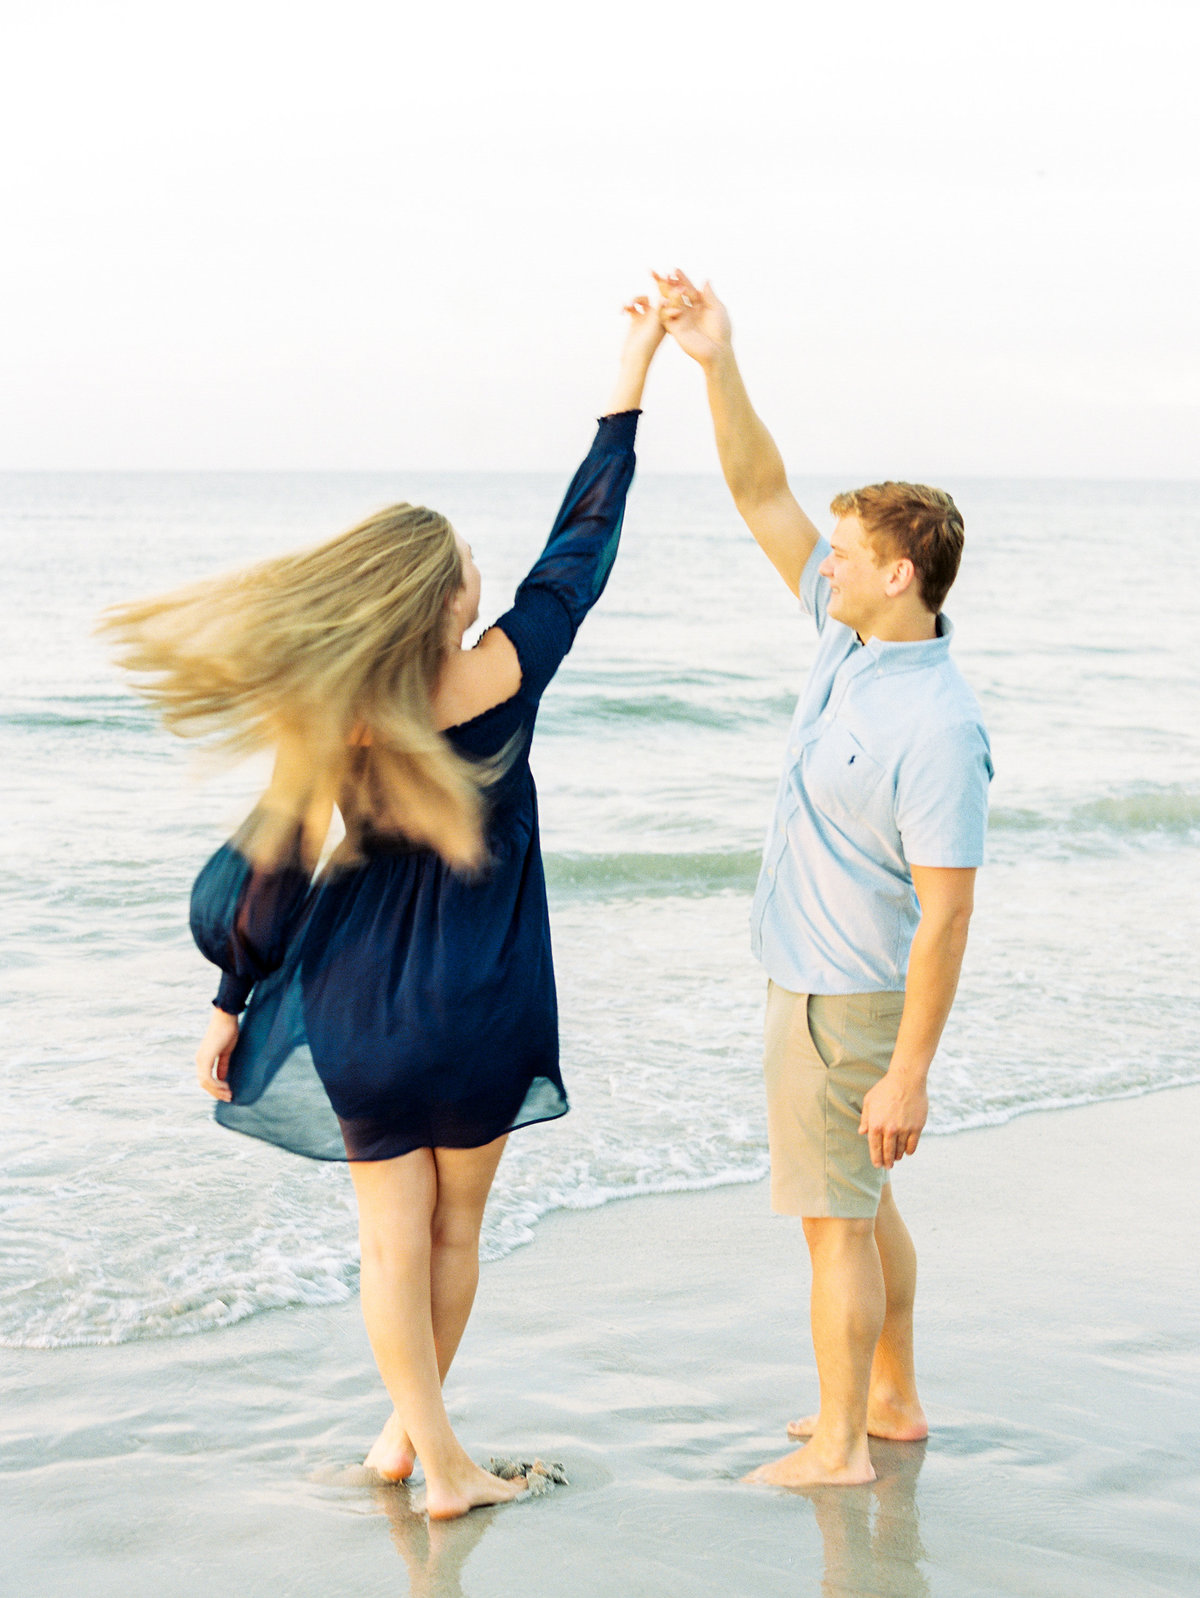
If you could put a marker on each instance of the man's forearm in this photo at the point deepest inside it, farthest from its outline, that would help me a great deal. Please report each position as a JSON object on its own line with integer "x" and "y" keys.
{"x": 752, "y": 464}
{"x": 934, "y": 965}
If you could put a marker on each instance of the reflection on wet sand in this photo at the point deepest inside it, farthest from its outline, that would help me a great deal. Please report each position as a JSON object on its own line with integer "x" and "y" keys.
{"x": 872, "y": 1534}
{"x": 434, "y": 1551}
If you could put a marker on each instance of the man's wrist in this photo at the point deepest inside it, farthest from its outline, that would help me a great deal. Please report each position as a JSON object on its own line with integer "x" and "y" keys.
{"x": 909, "y": 1073}
{"x": 719, "y": 363}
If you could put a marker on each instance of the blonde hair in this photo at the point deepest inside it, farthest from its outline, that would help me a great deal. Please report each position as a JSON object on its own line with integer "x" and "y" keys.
{"x": 330, "y": 656}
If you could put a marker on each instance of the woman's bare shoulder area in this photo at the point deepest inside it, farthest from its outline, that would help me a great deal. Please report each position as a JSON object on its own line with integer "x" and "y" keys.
{"x": 475, "y": 680}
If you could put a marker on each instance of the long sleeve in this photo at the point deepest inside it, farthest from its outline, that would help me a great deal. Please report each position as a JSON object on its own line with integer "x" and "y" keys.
{"x": 569, "y": 575}
{"x": 242, "y": 917}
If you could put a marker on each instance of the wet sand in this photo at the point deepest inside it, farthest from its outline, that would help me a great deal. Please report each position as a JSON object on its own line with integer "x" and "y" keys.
{"x": 657, "y": 1348}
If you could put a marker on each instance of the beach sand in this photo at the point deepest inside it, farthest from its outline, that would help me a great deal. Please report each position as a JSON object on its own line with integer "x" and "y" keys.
{"x": 658, "y": 1347}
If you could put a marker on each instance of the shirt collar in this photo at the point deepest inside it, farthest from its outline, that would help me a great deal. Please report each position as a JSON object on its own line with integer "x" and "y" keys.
{"x": 891, "y": 657}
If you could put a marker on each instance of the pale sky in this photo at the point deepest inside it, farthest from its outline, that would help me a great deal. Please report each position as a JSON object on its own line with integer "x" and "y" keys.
{"x": 953, "y": 239}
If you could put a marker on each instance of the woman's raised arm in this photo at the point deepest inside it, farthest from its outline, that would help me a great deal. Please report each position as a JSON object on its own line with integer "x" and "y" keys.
{"x": 644, "y": 335}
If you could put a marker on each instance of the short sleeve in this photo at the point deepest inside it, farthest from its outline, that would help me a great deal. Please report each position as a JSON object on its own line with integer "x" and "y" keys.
{"x": 942, "y": 798}
{"x": 814, "y": 589}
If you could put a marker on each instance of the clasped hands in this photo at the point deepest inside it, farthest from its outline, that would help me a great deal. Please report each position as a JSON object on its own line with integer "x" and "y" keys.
{"x": 694, "y": 317}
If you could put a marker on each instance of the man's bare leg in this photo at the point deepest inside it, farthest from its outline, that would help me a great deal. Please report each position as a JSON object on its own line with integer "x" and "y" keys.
{"x": 397, "y": 1200}
{"x": 848, "y": 1306}
{"x": 464, "y": 1179}
{"x": 893, "y": 1406}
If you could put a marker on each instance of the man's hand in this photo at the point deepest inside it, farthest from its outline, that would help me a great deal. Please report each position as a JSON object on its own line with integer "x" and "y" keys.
{"x": 695, "y": 318}
{"x": 212, "y": 1057}
{"x": 893, "y": 1117}
{"x": 895, "y": 1110}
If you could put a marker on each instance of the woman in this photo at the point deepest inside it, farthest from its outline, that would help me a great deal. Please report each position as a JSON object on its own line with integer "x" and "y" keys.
{"x": 414, "y": 976}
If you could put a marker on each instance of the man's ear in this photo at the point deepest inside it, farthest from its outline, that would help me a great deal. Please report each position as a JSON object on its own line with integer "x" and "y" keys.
{"x": 901, "y": 577}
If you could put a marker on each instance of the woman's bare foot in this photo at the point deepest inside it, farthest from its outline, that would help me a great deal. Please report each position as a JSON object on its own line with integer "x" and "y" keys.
{"x": 466, "y": 1488}
{"x": 896, "y": 1423}
{"x": 392, "y": 1453}
{"x": 807, "y": 1468}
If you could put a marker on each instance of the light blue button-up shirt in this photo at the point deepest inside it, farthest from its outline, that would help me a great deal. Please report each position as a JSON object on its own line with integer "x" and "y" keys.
{"x": 887, "y": 766}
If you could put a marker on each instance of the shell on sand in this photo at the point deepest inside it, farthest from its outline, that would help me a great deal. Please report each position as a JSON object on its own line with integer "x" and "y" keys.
{"x": 540, "y": 1476}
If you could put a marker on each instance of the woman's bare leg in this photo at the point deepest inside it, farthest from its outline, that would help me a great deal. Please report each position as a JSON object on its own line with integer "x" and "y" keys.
{"x": 397, "y": 1202}
{"x": 464, "y": 1180}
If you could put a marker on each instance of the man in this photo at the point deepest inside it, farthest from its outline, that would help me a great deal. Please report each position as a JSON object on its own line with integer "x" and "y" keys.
{"x": 863, "y": 902}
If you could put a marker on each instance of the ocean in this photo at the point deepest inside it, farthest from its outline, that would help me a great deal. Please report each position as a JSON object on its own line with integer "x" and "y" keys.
{"x": 126, "y": 1213}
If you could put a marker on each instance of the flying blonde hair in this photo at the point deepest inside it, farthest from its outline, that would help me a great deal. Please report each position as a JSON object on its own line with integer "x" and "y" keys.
{"x": 331, "y": 657}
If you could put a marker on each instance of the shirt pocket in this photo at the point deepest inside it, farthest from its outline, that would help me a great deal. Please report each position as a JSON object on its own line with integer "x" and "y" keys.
{"x": 840, "y": 777}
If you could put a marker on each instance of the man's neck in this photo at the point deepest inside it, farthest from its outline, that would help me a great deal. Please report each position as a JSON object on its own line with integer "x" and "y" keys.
{"x": 910, "y": 627}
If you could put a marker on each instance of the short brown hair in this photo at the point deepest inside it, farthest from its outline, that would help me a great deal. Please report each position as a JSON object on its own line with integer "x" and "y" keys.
{"x": 910, "y": 520}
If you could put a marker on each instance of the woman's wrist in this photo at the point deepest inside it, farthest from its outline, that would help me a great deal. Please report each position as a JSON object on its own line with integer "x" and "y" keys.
{"x": 631, "y": 381}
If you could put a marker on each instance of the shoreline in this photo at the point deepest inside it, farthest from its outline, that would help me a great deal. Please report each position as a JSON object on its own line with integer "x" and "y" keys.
{"x": 658, "y": 1350}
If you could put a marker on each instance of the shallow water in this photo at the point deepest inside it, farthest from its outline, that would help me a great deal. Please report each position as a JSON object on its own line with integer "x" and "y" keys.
{"x": 126, "y": 1213}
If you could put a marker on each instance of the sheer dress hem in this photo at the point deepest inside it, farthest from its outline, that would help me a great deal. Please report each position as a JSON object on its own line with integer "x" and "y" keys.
{"x": 311, "y": 1128}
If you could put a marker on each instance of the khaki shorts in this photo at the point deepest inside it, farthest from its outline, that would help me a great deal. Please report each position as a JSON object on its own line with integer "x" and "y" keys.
{"x": 822, "y": 1055}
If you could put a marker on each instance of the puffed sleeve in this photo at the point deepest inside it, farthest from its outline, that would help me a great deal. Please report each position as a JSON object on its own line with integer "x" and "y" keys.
{"x": 569, "y": 575}
{"x": 242, "y": 917}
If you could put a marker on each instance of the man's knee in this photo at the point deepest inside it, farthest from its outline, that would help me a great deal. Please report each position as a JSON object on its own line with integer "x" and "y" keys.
{"x": 835, "y": 1233}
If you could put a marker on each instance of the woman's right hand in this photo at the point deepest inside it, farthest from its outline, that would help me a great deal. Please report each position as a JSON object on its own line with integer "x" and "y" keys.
{"x": 212, "y": 1057}
{"x": 643, "y": 336}
{"x": 645, "y": 331}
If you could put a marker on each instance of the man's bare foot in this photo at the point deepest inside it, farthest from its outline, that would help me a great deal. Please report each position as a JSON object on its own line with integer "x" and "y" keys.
{"x": 896, "y": 1423}
{"x": 469, "y": 1488}
{"x": 807, "y": 1468}
{"x": 392, "y": 1453}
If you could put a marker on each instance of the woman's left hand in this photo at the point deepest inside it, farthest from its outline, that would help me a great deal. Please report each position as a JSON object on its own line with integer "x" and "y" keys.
{"x": 212, "y": 1057}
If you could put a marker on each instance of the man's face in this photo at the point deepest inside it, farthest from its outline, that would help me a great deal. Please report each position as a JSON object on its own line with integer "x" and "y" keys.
{"x": 858, "y": 589}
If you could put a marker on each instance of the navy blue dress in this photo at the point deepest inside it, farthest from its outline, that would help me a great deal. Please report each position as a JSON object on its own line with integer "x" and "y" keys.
{"x": 396, "y": 1004}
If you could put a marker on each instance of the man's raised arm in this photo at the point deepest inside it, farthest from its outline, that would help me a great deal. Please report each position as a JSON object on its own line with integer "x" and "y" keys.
{"x": 752, "y": 465}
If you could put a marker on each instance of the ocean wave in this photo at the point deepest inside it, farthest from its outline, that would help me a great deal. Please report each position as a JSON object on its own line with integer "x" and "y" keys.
{"x": 621, "y": 708}
{"x": 658, "y": 708}
{"x": 1169, "y": 810}
{"x": 1002, "y": 1114}
{"x": 189, "y": 1296}
{"x": 621, "y": 875}
{"x": 105, "y": 712}
{"x": 1144, "y": 816}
